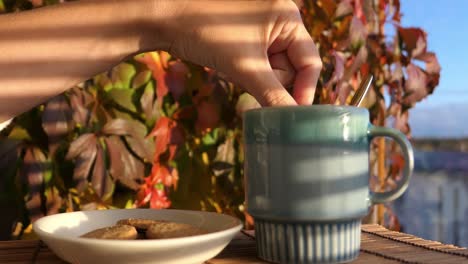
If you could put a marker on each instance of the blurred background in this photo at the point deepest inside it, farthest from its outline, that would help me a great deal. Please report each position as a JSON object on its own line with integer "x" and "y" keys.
{"x": 159, "y": 132}
{"x": 436, "y": 204}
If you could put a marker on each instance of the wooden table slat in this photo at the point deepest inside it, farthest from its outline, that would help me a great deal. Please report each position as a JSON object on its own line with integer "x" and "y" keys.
{"x": 378, "y": 245}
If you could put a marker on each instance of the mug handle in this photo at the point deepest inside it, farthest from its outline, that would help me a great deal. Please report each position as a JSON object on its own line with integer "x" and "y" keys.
{"x": 402, "y": 185}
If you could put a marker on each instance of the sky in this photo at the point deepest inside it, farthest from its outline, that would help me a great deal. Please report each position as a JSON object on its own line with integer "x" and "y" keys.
{"x": 445, "y": 112}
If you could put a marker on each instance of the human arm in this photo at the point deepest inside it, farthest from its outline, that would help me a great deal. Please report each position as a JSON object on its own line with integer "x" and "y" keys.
{"x": 50, "y": 49}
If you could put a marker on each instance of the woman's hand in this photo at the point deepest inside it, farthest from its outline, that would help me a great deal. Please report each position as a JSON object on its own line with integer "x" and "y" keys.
{"x": 261, "y": 45}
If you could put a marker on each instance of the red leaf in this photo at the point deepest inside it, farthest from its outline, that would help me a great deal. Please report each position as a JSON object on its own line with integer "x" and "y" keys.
{"x": 153, "y": 192}
{"x": 161, "y": 174}
{"x": 80, "y": 101}
{"x": 344, "y": 8}
{"x": 328, "y": 6}
{"x": 414, "y": 40}
{"x": 159, "y": 200}
{"x": 358, "y": 10}
{"x": 100, "y": 180}
{"x": 401, "y": 122}
{"x": 177, "y": 135}
{"x": 187, "y": 113}
{"x": 432, "y": 64}
{"x": 397, "y": 73}
{"x": 208, "y": 115}
{"x": 338, "y": 71}
{"x": 123, "y": 166}
{"x": 83, "y": 165}
{"x": 205, "y": 91}
{"x": 397, "y": 164}
{"x": 155, "y": 63}
{"x": 357, "y": 32}
{"x": 416, "y": 84}
{"x": 176, "y": 78}
{"x": 162, "y": 135}
{"x": 394, "y": 109}
{"x": 86, "y": 153}
{"x": 358, "y": 61}
{"x": 395, "y": 10}
{"x": 80, "y": 144}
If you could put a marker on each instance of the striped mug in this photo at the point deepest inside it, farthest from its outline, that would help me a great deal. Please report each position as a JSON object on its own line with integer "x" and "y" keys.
{"x": 307, "y": 180}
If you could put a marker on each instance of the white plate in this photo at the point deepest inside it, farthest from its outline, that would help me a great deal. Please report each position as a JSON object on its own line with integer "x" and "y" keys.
{"x": 61, "y": 233}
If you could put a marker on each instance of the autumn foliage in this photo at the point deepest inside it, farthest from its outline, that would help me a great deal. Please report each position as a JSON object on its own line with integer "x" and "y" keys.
{"x": 159, "y": 132}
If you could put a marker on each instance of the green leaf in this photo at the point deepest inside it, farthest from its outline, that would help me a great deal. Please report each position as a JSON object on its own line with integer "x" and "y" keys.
{"x": 48, "y": 176}
{"x": 122, "y": 75}
{"x": 210, "y": 138}
{"x": 124, "y": 127}
{"x": 141, "y": 79}
{"x": 142, "y": 147}
{"x": 2, "y": 6}
{"x": 147, "y": 101}
{"x": 159, "y": 186}
{"x": 123, "y": 97}
{"x": 246, "y": 102}
{"x": 103, "y": 81}
{"x": 19, "y": 133}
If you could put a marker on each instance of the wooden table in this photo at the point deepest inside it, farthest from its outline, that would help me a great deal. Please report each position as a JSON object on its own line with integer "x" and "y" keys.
{"x": 379, "y": 245}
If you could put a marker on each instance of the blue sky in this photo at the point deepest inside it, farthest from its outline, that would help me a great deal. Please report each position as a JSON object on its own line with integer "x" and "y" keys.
{"x": 444, "y": 113}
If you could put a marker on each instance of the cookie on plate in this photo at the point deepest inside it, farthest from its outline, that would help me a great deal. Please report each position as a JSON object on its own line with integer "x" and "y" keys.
{"x": 125, "y": 232}
{"x": 139, "y": 223}
{"x": 172, "y": 230}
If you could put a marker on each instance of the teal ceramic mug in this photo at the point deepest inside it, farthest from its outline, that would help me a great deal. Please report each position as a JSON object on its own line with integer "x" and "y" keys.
{"x": 307, "y": 180}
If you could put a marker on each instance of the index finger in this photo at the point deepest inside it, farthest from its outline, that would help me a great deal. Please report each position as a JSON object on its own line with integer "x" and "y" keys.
{"x": 305, "y": 58}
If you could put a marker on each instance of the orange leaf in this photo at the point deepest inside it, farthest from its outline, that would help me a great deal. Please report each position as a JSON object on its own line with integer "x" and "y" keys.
{"x": 163, "y": 133}
{"x": 155, "y": 63}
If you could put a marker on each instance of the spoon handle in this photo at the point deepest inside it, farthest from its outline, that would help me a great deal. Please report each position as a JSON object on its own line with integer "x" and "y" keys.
{"x": 362, "y": 91}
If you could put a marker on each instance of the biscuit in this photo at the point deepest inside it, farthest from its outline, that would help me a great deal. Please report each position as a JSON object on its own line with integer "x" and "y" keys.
{"x": 114, "y": 232}
{"x": 140, "y": 224}
{"x": 172, "y": 230}
{"x": 141, "y": 236}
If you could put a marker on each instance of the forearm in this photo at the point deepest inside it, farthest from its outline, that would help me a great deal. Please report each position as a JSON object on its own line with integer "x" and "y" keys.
{"x": 45, "y": 51}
